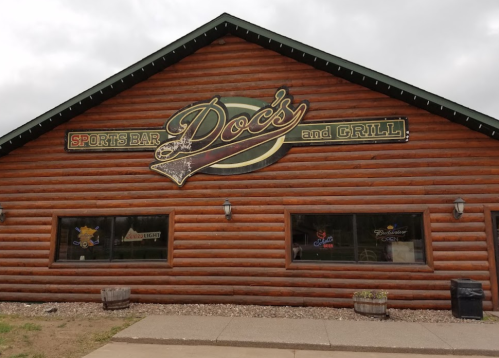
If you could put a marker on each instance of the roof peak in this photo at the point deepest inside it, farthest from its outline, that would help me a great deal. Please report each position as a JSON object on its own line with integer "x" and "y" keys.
{"x": 218, "y": 27}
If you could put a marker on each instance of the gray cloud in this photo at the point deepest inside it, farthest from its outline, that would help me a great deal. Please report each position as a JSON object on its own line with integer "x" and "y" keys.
{"x": 445, "y": 47}
{"x": 450, "y": 48}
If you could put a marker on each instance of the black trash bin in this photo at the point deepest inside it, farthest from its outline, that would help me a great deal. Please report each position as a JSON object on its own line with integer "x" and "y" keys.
{"x": 466, "y": 297}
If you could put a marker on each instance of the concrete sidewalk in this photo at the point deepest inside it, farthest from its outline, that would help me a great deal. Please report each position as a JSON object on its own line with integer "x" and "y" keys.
{"x": 130, "y": 350}
{"x": 307, "y": 334}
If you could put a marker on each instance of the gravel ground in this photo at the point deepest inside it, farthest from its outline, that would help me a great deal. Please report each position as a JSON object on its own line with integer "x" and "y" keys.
{"x": 79, "y": 309}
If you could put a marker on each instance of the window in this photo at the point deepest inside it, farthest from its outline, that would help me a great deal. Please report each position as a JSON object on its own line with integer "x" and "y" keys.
{"x": 394, "y": 237}
{"x": 112, "y": 238}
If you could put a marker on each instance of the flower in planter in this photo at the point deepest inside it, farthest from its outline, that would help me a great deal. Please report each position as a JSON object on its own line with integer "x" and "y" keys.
{"x": 371, "y": 294}
{"x": 372, "y": 303}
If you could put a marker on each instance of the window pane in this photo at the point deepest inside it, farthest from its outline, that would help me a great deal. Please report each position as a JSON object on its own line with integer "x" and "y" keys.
{"x": 322, "y": 237}
{"x": 140, "y": 238}
{"x": 390, "y": 238}
{"x": 84, "y": 238}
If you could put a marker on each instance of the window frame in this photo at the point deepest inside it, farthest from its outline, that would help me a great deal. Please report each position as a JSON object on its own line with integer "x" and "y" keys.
{"x": 355, "y": 266}
{"x": 56, "y": 215}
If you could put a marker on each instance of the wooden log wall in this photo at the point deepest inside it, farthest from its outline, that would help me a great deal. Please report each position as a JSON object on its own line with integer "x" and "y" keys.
{"x": 243, "y": 261}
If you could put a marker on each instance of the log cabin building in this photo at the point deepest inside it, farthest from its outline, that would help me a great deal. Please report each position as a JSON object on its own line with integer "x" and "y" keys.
{"x": 338, "y": 178}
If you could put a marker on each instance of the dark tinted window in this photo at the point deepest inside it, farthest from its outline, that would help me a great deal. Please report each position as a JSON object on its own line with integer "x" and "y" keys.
{"x": 390, "y": 237}
{"x": 84, "y": 238}
{"x": 140, "y": 238}
{"x": 323, "y": 237}
{"x": 113, "y": 238}
{"x": 358, "y": 238}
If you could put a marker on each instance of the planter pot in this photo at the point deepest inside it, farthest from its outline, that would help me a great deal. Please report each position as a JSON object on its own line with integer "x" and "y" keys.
{"x": 370, "y": 307}
{"x": 115, "y": 298}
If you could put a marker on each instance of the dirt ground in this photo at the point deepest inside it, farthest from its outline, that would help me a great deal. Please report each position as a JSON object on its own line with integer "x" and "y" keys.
{"x": 74, "y": 329}
{"x": 56, "y": 337}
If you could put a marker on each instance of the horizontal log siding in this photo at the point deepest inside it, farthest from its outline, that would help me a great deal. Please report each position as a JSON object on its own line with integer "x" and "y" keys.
{"x": 243, "y": 261}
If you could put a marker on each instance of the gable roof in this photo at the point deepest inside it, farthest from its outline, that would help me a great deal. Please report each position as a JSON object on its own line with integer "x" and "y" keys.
{"x": 219, "y": 27}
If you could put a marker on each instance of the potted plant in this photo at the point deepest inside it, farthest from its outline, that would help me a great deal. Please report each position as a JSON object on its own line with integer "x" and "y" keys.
{"x": 371, "y": 303}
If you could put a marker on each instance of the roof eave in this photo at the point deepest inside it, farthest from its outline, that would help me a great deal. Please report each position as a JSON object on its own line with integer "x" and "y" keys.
{"x": 218, "y": 27}
{"x": 115, "y": 84}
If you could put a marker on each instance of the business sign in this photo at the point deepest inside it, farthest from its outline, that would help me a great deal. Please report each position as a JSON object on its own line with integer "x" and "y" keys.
{"x": 85, "y": 236}
{"x": 323, "y": 241}
{"x": 391, "y": 233}
{"x": 133, "y": 235}
{"x": 235, "y": 135}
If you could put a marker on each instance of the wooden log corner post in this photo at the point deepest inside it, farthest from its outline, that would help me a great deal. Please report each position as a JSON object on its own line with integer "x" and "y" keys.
{"x": 491, "y": 250}
{"x": 121, "y": 264}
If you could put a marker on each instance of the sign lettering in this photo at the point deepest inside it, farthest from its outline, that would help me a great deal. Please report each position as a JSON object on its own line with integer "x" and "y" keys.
{"x": 235, "y": 135}
{"x": 133, "y": 235}
{"x": 391, "y": 233}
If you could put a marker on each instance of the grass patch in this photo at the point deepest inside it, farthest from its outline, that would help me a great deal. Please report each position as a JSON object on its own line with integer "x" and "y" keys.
{"x": 31, "y": 327}
{"x": 44, "y": 337}
{"x": 489, "y": 318}
{"x": 5, "y": 327}
{"x": 27, "y": 340}
{"x": 105, "y": 336}
{"x": 8, "y": 316}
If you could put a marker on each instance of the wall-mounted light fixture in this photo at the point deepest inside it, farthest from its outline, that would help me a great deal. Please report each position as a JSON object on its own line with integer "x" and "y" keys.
{"x": 2, "y": 215}
{"x": 227, "y": 209}
{"x": 458, "y": 208}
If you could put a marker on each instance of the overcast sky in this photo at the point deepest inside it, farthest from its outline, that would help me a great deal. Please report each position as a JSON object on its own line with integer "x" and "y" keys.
{"x": 53, "y": 50}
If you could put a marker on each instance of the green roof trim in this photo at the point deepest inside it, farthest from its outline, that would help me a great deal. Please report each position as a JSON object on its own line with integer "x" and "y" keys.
{"x": 219, "y": 27}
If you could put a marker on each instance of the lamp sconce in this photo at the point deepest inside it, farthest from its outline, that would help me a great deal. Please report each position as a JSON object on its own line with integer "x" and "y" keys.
{"x": 2, "y": 215}
{"x": 458, "y": 208}
{"x": 227, "y": 209}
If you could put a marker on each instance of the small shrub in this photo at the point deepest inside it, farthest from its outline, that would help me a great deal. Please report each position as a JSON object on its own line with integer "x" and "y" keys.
{"x": 371, "y": 294}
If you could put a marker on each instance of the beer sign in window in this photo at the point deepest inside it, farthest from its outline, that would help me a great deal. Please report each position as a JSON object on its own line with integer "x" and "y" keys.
{"x": 396, "y": 238}
{"x": 113, "y": 238}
